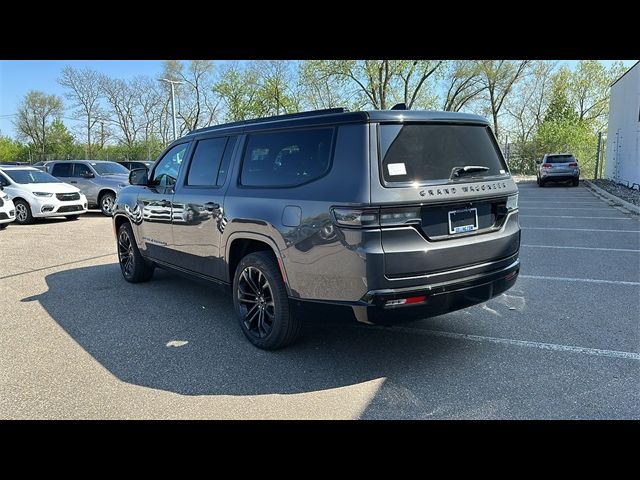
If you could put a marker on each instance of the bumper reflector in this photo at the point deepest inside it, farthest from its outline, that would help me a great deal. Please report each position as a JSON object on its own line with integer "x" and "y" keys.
{"x": 405, "y": 301}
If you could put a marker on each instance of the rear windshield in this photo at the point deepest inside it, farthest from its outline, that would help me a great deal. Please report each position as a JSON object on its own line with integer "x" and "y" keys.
{"x": 560, "y": 159}
{"x": 426, "y": 152}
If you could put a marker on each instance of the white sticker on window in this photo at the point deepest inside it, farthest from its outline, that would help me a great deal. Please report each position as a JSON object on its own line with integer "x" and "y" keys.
{"x": 397, "y": 169}
{"x": 502, "y": 171}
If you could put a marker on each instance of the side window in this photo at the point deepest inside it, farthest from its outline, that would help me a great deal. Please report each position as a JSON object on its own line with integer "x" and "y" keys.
{"x": 166, "y": 172}
{"x": 203, "y": 171}
{"x": 80, "y": 169}
{"x": 4, "y": 181}
{"x": 62, "y": 169}
{"x": 287, "y": 158}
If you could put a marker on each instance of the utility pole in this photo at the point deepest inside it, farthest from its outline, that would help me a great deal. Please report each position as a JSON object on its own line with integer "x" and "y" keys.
{"x": 173, "y": 103}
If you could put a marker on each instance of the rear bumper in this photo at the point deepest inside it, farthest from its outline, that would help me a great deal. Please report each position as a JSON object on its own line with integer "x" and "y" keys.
{"x": 440, "y": 297}
{"x": 560, "y": 177}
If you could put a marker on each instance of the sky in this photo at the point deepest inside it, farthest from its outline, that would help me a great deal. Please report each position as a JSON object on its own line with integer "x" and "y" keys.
{"x": 17, "y": 77}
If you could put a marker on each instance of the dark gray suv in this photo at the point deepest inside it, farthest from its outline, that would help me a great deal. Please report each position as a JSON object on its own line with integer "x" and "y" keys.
{"x": 393, "y": 214}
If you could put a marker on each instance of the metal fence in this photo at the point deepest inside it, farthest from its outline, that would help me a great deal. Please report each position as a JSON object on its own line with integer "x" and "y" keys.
{"x": 521, "y": 158}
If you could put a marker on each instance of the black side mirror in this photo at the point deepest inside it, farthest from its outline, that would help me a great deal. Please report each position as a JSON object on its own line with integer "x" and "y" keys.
{"x": 87, "y": 175}
{"x": 538, "y": 161}
{"x": 139, "y": 176}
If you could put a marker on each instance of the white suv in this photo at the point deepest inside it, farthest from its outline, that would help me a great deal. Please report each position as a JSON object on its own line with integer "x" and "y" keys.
{"x": 7, "y": 210}
{"x": 37, "y": 194}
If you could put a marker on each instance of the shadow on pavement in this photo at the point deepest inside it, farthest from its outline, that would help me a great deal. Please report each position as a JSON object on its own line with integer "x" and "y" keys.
{"x": 127, "y": 327}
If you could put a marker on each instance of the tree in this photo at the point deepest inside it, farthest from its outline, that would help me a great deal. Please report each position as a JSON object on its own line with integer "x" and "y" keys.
{"x": 380, "y": 83}
{"x": 499, "y": 77}
{"x": 195, "y": 104}
{"x": 9, "y": 149}
{"x": 319, "y": 90}
{"x": 123, "y": 102}
{"x": 530, "y": 101}
{"x": 275, "y": 79}
{"x": 34, "y": 116}
{"x": 463, "y": 84}
{"x": 84, "y": 90}
{"x": 238, "y": 89}
{"x": 589, "y": 87}
{"x": 62, "y": 143}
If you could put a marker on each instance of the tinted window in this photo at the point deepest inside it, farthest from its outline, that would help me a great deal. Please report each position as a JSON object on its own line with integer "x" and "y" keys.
{"x": 560, "y": 159}
{"x": 417, "y": 153}
{"x": 206, "y": 162}
{"x": 286, "y": 158}
{"x": 109, "y": 168}
{"x": 167, "y": 169}
{"x": 31, "y": 176}
{"x": 81, "y": 169}
{"x": 62, "y": 170}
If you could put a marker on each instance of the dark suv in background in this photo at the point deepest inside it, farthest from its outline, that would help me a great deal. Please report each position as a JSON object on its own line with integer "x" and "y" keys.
{"x": 390, "y": 213}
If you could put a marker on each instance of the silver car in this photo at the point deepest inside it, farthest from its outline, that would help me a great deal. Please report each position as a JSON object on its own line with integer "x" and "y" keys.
{"x": 100, "y": 181}
{"x": 558, "y": 167}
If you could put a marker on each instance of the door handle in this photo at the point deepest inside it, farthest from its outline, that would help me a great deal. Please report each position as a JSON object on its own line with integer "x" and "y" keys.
{"x": 212, "y": 207}
{"x": 72, "y": 181}
{"x": 165, "y": 203}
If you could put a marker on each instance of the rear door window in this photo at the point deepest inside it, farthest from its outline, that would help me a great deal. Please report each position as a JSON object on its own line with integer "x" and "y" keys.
{"x": 286, "y": 159}
{"x": 81, "y": 169}
{"x": 205, "y": 164}
{"x": 429, "y": 152}
{"x": 62, "y": 170}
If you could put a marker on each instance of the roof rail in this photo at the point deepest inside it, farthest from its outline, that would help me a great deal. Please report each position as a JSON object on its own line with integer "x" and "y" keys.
{"x": 310, "y": 113}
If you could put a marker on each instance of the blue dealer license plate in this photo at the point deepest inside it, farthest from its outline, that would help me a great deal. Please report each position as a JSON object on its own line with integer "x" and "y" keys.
{"x": 462, "y": 221}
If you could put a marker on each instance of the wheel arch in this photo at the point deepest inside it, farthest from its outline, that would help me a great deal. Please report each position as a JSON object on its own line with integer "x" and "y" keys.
{"x": 241, "y": 244}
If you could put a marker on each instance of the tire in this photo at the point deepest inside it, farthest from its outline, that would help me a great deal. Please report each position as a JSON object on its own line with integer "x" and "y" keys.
{"x": 541, "y": 183}
{"x": 133, "y": 265}
{"x": 3, "y": 226}
{"x": 23, "y": 212}
{"x": 72, "y": 217}
{"x": 105, "y": 202}
{"x": 538, "y": 180}
{"x": 575, "y": 183}
{"x": 258, "y": 272}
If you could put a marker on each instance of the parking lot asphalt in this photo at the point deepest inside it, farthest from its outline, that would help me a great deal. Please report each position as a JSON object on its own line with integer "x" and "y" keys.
{"x": 77, "y": 341}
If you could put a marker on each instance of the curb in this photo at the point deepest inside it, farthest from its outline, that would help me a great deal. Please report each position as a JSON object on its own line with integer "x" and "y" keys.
{"x": 617, "y": 200}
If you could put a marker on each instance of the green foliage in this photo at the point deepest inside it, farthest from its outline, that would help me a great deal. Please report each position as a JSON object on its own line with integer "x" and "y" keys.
{"x": 9, "y": 149}
{"x": 35, "y": 114}
{"x": 569, "y": 135}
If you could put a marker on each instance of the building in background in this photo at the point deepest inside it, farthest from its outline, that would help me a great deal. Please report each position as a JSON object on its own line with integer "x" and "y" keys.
{"x": 623, "y": 137}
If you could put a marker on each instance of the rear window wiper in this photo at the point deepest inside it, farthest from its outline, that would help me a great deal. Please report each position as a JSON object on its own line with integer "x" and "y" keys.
{"x": 457, "y": 172}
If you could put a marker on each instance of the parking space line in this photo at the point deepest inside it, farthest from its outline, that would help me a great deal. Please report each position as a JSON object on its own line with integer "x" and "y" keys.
{"x": 572, "y": 216}
{"x": 584, "y": 280}
{"x": 582, "y": 248}
{"x": 579, "y": 229}
{"x": 598, "y": 352}
{"x": 567, "y": 208}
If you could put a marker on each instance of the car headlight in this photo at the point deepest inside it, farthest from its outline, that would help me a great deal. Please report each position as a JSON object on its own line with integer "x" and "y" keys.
{"x": 43, "y": 194}
{"x": 512, "y": 202}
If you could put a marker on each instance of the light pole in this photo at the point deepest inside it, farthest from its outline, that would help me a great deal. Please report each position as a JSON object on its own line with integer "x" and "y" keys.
{"x": 173, "y": 103}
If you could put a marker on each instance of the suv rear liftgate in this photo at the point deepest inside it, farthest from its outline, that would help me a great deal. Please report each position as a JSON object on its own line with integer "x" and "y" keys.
{"x": 447, "y": 211}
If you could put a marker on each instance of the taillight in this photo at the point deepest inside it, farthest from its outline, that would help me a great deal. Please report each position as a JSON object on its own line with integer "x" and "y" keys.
{"x": 353, "y": 217}
{"x": 547, "y": 165}
{"x": 573, "y": 164}
{"x": 375, "y": 217}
